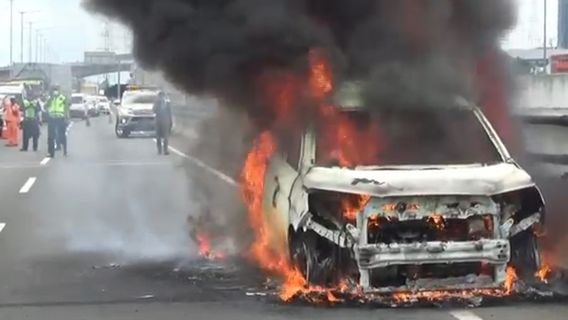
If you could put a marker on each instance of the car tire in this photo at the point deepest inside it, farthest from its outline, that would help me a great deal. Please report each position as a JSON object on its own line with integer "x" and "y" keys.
{"x": 120, "y": 133}
{"x": 525, "y": 255}
{"x": 308, "y": 256}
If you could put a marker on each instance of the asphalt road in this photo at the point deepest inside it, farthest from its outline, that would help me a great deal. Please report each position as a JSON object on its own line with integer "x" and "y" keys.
{"x": 101, "y": 234}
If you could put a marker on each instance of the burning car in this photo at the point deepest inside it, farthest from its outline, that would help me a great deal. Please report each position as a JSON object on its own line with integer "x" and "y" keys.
{"x": 403, "y": 199}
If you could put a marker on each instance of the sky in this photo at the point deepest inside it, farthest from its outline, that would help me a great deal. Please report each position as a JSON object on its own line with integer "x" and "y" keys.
{"x": 69, "y": 30}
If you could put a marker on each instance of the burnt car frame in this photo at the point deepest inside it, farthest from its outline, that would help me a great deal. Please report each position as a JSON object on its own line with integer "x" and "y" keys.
{"x": 422, "y": 227}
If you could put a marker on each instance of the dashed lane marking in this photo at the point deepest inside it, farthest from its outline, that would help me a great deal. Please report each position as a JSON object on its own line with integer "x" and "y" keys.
{"x": 464, "y": 315}
{"x": 202, "y": 165}
{"x": 2, "y": 226}
{"x": 28, "y": 185}
{"x": 45, "y": 161}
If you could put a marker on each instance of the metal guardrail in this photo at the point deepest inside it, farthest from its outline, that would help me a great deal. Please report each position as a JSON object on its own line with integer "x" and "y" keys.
{"x": 544, "y": 116}
{"x": 547, "y": 126}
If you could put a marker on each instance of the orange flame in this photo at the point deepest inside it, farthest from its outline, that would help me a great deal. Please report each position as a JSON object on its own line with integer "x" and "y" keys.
{"x": 352, "y": 205}
{"x": 205, "y": 249}
{"x": 544, "y": 273}
{"x": 437, "y": 221}
{"x": 252, "y": 192}
{"x": 510, "y": 281}
{"x": 321, "y": 75}
{"x": 281, "y": 92}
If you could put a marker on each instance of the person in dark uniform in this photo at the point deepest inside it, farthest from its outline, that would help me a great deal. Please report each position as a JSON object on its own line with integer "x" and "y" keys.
{"x": 30, "y": 125}
{"x": 163, "y": 112}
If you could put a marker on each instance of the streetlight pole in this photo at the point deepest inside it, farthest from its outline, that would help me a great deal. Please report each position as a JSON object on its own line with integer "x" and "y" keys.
{"x": 544, "y": 42}
{"x": 22, "y": 13}
{"x": 11, "y": 34}
{"x": 30, "y": 42}
{"x": 37, "y": 46}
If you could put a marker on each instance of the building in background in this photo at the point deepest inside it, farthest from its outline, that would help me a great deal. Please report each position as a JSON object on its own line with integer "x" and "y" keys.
{"x": 563, "y": 24}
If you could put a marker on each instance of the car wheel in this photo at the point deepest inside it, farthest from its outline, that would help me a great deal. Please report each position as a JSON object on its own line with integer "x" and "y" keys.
{"x": 525, "y": 254}
{"x": 121, "y": 133}
{"x": 311, "y": 256}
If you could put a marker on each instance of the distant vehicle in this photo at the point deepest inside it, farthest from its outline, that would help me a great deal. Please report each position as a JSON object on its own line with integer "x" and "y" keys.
{"x": 92, "y": 105}
{"x": 90, "y": 89}
{"x": 135, "y": 112}
{"x": 103, "y": 104}
{"x": 34, "y": 87}
{"x": 79, "y": 106}
{"x": 17, "y": 91}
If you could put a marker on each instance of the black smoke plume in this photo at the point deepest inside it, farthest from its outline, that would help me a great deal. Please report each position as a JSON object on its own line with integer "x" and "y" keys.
{"x": 407, "y": 52}
{"x": 221, "y": 47}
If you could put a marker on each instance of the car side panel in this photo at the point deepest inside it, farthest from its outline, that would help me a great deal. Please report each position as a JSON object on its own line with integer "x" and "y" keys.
{"x": 278, "y": 183}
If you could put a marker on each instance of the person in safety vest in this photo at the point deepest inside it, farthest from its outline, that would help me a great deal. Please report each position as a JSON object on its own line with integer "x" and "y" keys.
{"x": 12, "y": 118}
{"x": 30, "y": 125}
{"x": 57, "y": 122}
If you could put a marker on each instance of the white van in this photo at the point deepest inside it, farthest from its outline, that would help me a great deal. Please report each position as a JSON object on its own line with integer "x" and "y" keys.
{"x": 78, "y": 108}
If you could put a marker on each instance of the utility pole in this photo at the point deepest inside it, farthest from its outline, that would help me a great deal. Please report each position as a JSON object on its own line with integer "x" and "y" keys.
{"x": 22, "y": 13}
{"x": 37, "y": 46}
{"x": 544, "y": 42}
{"x": 119, "y": 89}
{"x": 11, "y": 35}
{"x": 30, "y": 42}
{"x": 44, "y": 50}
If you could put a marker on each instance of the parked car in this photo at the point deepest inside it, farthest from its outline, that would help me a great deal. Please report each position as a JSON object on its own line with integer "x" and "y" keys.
{"x": 135, "y": 113}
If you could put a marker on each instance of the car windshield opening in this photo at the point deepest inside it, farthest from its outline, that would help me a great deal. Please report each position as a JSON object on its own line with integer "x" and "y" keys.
{"x": 77, "y": 100}
{"x": 140, "y": 98}
{"x": 443, "y": 136}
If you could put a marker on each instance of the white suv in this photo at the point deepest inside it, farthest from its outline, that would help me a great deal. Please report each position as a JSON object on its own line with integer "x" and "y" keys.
{"x": 437, "y": 202}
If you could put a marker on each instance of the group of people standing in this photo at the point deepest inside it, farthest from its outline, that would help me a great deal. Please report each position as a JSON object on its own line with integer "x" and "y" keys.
{"x": 24, "y": 115}
{"x": 28, "y": 116}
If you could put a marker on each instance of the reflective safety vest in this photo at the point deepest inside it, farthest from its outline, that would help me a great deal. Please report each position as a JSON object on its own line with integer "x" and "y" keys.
{"x": 56, "y": 108}
{"x": 29, "y": 110}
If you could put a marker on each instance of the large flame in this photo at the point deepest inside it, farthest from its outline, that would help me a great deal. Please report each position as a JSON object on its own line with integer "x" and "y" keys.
{"x": 252, "y": 179}
{"x": 281, "y": 92}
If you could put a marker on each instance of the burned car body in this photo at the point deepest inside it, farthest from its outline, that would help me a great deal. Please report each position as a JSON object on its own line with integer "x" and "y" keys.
{"x": 456, "y": 220}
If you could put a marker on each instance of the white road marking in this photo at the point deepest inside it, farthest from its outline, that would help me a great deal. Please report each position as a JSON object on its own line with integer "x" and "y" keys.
{"x": 45, "y": 161}
{"x": 69, "y": 128}
{"x": 21, "y": 165}
{"x": 202, "y": 165}
{"x": 464, "y": 315}
{"x": 28, "y": 185}
{"x": 2, "y": 226}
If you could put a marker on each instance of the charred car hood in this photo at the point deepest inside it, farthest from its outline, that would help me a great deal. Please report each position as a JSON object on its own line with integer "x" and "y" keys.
{"x": 445, "y": 180}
